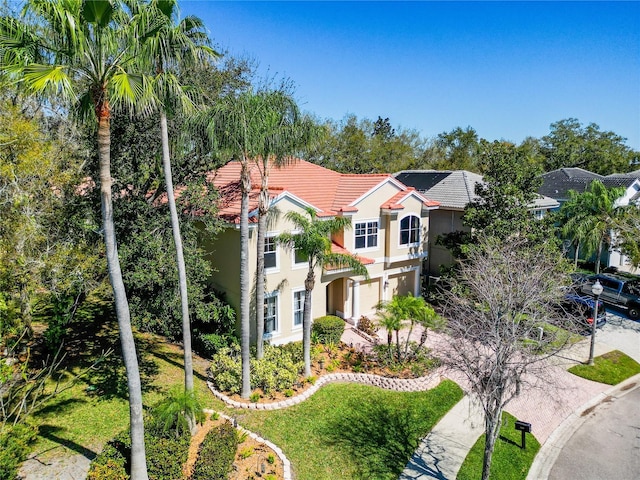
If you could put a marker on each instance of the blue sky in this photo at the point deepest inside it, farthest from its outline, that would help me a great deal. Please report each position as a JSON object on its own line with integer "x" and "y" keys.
{"x": 507, "y": 69}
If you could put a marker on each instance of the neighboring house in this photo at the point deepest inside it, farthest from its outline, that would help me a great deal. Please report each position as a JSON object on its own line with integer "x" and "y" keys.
{"x": 453, "y": 189}
{"x": 390, "y": 226}
{"x": 557, "y": 184}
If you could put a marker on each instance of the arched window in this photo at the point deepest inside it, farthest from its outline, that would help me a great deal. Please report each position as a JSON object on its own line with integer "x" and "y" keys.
{"x": 409, "y": 230}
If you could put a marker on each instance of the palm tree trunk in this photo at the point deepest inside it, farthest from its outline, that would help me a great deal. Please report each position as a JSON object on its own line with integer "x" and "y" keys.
{"x": 138, "y": 456}
{"x": 599, "y": 254}
{"x": 245, "y": 323}
{"x": 309, "y": 283}
{"x": 182, "y": 271}
{"x": 260, "y": 277}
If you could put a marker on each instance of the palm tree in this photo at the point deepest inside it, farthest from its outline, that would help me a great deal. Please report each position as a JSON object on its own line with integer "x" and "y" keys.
{"x": 394, "y": 313}
{"x": 83, "y": 51}
{"x": 591, "y": 216}
{"x": 235, "y": 127}
{"x": 285, "y": 132}
{"x": 175, "y": 44}
{"x": 313, "y": 239}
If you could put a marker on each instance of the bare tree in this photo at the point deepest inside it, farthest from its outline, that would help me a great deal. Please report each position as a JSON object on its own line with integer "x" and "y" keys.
{"x": 503, "y": 310}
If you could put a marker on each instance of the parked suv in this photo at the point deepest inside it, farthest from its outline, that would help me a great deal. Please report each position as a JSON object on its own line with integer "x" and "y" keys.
{"x": 618, "y": 291}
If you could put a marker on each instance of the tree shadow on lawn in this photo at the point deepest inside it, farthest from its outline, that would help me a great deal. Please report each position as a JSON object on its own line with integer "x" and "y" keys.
{"x": 50, "y": 432}
{"x": 108, "y": 378}
{"x": 379, "y": 439}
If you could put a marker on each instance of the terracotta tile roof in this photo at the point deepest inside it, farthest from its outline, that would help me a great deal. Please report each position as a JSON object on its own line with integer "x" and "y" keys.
{"x": 328, "y": 191}
{"x": 335, "y": 248}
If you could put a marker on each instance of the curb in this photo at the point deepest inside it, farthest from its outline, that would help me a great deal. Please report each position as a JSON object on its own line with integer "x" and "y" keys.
{"x": 549, "y": 452}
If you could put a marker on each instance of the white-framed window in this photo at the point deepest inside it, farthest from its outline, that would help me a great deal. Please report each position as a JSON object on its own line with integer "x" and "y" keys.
{"x": 298, "y": 307}
{"x": 410, "y": 230}
{"x": 300, "y": 258}
{"x": 366, "y": 234}
{"x": 271, "y": 313}
{"x": 270, "y": 253}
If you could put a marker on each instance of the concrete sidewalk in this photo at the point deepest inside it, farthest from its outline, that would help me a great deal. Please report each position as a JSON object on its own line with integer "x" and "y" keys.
{"x": 554, "y": 410}
{"x": 442, "y": 452}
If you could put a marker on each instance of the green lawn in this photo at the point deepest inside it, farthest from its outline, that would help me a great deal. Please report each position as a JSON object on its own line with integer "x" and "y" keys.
{"x": 83, "y": 418}
{"x": 353, "y": 431}
{"x": 509, "y": 462}
{"x": 610, "y": 368}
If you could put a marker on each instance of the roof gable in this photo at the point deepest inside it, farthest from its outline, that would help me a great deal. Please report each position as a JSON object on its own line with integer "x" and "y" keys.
{"x": 327, "y": 191}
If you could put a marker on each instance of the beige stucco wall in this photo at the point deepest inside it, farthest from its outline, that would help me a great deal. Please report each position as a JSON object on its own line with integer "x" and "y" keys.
{"x": 395, "y": 270}
{"x": 442, "y": 222}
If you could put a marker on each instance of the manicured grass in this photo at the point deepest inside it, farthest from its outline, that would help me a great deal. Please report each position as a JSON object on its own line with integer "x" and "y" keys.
{"x": 353, "y": 431}
{"x": 509, "y": 461}
{"x": 610, "y": 368}
{"x": 83, "y": 418}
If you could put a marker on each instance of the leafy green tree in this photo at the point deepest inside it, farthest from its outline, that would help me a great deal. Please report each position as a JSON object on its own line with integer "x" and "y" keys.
{"x": 363, "y": 146}
{"x": 458, "y": 149}
{"x": 313, "y": 239}
{"x": 590, "y": 217}
{"x": 84, "y": 51}
{"x": 570, "y": 144}
{"x": 504, "y": 199}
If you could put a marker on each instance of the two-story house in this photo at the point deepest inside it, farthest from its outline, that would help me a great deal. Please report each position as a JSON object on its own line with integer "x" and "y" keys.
{"x": 389, "y": 231}
{"x": 454, "y": 190}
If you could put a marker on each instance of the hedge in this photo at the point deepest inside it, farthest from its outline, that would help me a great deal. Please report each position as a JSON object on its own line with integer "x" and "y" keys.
{"x": 328, "y": 329}
{"x": 217, "y": 453}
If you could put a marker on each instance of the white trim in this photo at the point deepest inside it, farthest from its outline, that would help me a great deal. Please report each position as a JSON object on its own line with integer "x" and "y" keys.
{"x": 275, "y": 269}
{"x": 295, "y": 327}
{"x": 414, "y": 244}
{"x": 275, "y": 294}
{"x": 408, "y": 256}
{"x": 366, "y": 221}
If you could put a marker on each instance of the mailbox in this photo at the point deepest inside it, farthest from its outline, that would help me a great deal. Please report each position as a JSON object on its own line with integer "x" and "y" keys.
{"x": 523, "y": 426}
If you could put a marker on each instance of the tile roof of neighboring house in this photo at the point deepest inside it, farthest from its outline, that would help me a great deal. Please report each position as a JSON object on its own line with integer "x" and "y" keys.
{"x": 452, "y": 188}
{"x": 327, "y": 191}
{"x": 557, "y": 183}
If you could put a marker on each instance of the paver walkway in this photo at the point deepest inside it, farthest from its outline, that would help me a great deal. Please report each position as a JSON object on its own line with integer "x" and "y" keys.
{"x": 546, "y": 405}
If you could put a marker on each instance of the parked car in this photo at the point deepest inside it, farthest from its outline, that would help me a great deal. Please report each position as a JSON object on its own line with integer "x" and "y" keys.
{"x": 581, "y": 306}
{"x": 618, "y": 291}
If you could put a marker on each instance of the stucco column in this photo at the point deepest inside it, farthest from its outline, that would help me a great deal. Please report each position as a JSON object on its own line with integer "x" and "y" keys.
{"x": 416, "y": 284}
{"x": 355, "y": 309}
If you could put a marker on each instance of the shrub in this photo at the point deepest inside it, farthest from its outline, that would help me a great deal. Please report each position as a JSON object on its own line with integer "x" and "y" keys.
{"x": 216, "y": 454}
{"x": 226, "y": 369}
{"x": 14, "y": 448}
{"x": 165, "y": 457}
{"x": 328, "y": 329}
{"x": 366, "y": 325}
{"x": 112, "y": 463}
{"x": 277, "y": 370}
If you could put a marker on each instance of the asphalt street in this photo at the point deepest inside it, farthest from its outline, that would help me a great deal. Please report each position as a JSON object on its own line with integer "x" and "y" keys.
{"x": 607, "y": 445}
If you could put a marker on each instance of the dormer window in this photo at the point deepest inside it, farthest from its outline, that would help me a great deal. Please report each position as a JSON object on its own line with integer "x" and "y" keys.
{"x": 409, "y": 230}
{"x": 366, "y": 234}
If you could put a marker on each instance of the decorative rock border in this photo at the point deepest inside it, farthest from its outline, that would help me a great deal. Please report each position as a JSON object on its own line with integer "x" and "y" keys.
{"x": 286, "y": 464}
{"x": 398, "y": 384}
